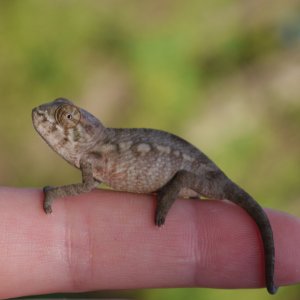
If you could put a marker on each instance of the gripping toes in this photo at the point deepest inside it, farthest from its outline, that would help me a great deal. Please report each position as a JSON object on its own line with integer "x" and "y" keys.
{"x": 159, "y": 218}
{"x": 164, "y": 202}
{"x": 47, "y": 200}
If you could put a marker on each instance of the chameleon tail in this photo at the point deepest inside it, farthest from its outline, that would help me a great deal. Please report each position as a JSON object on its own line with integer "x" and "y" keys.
{"x": 237, "y": 195}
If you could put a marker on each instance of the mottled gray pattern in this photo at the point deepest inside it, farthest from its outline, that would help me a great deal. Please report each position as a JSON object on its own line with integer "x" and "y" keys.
{"x": 142, "y": 161}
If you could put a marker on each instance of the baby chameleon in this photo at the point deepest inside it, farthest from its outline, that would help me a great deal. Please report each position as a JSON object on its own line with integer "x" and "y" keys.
{"x": 141, "y": 161}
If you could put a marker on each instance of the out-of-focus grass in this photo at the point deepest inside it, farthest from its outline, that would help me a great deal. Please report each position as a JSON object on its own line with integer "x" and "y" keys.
{"x": 222, "y": 74}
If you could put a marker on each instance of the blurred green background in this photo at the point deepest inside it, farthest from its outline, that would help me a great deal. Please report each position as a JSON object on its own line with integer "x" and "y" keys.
{"x": 223, "y": 74}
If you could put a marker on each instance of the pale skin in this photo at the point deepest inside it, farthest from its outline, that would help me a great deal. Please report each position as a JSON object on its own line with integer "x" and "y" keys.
{"x": 106, "y": 240}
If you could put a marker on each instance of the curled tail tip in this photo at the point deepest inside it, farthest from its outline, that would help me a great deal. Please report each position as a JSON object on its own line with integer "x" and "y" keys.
{"x": 272, "y": 289}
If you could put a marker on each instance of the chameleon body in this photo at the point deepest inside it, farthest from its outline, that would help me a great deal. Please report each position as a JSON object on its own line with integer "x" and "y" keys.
{"x": 141, "y": 161}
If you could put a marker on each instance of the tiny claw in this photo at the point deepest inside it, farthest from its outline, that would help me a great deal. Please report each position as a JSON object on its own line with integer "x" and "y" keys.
{"x": 46, "y": 205}
{"x": 47, "y": 209}
{"x": 159, "y": 221}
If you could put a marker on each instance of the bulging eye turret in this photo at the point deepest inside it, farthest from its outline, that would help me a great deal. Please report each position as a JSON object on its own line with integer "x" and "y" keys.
{"x": 67, "y": 115}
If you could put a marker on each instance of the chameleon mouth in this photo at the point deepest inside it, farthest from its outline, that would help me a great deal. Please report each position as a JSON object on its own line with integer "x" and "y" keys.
{"x": 38, "y": 116}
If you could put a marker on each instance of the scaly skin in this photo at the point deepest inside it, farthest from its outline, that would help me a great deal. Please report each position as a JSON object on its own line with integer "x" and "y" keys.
{"x": 141, "y": 161}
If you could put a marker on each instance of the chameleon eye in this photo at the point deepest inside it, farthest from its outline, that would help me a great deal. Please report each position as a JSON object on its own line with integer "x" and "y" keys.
{"x": 67, "y": 115}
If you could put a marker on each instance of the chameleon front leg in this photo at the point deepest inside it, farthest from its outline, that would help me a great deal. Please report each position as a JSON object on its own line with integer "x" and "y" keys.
{"x": 170, "y": 191}
{"x": 88, "y": 183}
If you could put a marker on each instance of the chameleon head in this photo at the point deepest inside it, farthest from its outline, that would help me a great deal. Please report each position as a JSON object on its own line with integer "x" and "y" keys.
{"x": 66, "y": 128}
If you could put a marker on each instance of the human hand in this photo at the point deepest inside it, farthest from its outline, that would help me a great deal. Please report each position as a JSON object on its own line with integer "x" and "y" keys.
{"x": 108, "y": 240}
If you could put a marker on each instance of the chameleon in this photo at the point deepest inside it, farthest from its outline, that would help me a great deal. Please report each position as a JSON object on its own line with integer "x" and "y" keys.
{"x": 140, "y": 160}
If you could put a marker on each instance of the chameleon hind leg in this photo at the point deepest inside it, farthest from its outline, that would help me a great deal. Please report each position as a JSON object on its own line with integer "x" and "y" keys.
{"x": 167, "y": 194}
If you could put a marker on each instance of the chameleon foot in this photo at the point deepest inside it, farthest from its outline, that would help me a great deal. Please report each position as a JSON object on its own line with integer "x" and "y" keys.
{"x": 159, "y": 219}
{"x": 47, "y": 200}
